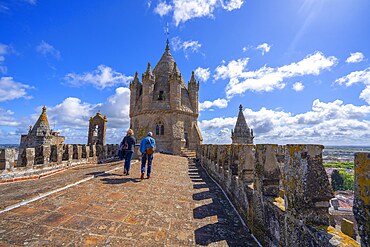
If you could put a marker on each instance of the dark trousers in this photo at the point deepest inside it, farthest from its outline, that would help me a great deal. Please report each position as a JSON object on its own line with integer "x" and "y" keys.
{"x": 144, "y": 158}
{"x": 128, "y": 157}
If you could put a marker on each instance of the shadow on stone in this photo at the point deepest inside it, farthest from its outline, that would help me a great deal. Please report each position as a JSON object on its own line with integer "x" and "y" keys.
{"x": 227, "y": 227}
{"x": 120, "y": 180}
{"x": 102, "y": 174}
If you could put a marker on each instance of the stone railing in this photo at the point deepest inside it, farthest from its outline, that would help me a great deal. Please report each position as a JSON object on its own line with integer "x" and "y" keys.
{"x": 27, "y": 162}
{"x": 281, "y": 192}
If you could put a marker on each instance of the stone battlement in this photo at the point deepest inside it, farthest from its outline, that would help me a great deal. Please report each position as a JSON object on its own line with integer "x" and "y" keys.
{"x": 281, "y": 192}
{"x": 27, "y": 162}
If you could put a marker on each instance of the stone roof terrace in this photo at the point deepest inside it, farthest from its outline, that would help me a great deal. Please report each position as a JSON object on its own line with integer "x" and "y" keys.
{"x": 179, "y": 206}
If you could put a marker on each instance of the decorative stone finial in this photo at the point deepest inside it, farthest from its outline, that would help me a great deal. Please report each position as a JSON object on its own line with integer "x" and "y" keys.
{"x": 240, "y": 107}
{"x": 44, "y": 109}
{"x": 167, "y": 45}
{"x": 136, "y": 75}
{"x": 148, "y": 69}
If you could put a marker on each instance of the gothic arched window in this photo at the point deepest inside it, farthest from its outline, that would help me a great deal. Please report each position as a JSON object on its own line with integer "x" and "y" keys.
{"x": 159, "y": 128}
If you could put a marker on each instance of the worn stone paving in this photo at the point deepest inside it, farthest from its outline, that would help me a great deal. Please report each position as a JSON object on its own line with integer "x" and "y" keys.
{"x": 178, "y": 206}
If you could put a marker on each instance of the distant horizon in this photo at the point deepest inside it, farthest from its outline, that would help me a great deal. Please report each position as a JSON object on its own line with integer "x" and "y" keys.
{"x": 344, "y": 146}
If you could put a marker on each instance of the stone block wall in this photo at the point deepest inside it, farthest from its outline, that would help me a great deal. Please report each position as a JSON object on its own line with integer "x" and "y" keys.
{"x": 361, "y": 203}
{"x": 8, "y": 158}
{"x": 281, "y": 192}
{"x": 27, "y": 162}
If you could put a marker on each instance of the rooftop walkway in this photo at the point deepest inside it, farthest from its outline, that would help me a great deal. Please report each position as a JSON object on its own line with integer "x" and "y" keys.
{"x": 95, "y": 205}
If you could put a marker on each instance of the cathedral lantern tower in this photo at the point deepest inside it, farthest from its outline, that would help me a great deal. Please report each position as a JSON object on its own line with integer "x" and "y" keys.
{"x": 164, "y": 105}
{"x": 241, "y": 134}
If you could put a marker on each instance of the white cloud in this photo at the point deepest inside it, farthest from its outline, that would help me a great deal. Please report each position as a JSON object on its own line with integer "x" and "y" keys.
{"x": 191, "y": 45}
{"x": 100, "y": 78}
{"x": 4, "y": 50}
{"x": 47, "y": 49}
{"x": 117, "y": 108}
{"x": 7, "y": 119}
{"x": 71, "y": 117}
{"x": 186, "y": 46}
{"x": 264, "y": 48}
{"x": 234, "y": 68}
{"x": 219, "y": 103}
{"x": 298, "y": 86}
{"x": 162, "y": 9}
{"x": 327, "y": 123}
{"x": 362, "y": 76}
{"x": 202, "y": 74}
{"x": 266, "y": 78}
{"x": 245, "y": 49}
{"x": 70, "y": 113}
{"x": 10, "y": 89}
{"x": 230, "y": 5}
{"x": 355, "y": 57}
{"x": 184, "y": 10}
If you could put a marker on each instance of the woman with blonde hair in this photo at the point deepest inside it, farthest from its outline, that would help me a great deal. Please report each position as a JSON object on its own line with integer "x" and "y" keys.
{"x": 128, "y": 145}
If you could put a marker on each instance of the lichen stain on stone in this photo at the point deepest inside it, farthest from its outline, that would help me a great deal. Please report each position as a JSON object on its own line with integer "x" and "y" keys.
{"x": 279, "y": 202}
{"x": 362, "y": 171}
{"x": 338, "y": 237}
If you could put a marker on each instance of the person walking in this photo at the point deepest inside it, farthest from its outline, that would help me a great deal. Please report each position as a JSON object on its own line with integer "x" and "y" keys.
{"x": 128, "y": 145}
{"x": 147, "y": 148}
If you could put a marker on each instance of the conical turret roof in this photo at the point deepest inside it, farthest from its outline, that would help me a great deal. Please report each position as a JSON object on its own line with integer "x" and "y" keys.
{"x": 164, "y": 67}
{"x": 241, "y": 124}
{"x": 41, "y": 126}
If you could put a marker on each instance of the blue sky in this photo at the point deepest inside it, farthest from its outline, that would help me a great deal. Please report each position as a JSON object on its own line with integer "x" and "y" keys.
{"x": 300, "y": 67}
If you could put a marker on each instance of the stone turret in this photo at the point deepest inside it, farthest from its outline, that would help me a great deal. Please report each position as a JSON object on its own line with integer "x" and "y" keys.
{"x": 164, "y": 105}
{"x": 175, "y": 87}
{"x": 193, "y": 88}
{"x": 148, "y": 85}
{"x": 41, "y": 134}
{"x": 242, "y": 134}
{"x": 135, "y": 90}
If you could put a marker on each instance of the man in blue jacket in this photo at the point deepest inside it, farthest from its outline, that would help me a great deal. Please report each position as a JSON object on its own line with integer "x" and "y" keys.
{"x": 147, "y": 147}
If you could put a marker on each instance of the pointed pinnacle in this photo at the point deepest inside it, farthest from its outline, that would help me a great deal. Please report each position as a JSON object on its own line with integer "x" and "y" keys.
{"x": 167, "y": 45}
{"x": 148, "y": 69}
{"x": 240, "y": 107}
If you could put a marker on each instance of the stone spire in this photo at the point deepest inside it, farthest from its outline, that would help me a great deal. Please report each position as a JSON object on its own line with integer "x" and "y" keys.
{"x": 41, "y": 127}
{"x": 167, "y": 46}
{"x": 241, "y": 134}
{"x": 165, "y": 66}
{"x": 149, "y": 69}
{"x": 136, "y": 79}
{"x": 192, "y": 79}
{"x": 148, "y": 75}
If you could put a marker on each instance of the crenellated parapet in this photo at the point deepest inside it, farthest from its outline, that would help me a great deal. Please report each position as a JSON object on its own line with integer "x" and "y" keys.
{"x": 27, "y": 162}
{"x": 281, "y": 192}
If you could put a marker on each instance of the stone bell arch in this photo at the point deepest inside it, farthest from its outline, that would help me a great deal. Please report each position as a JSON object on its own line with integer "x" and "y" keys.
{"x": 97, "y": 130}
